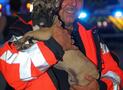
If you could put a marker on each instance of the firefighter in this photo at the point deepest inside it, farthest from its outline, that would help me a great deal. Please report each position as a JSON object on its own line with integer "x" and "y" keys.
{"x": 29, "y": 69}
{"x": 87, "y": 40}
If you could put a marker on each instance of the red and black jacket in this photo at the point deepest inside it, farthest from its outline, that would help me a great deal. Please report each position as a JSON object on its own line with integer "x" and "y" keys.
{"x": 88, "y": 41}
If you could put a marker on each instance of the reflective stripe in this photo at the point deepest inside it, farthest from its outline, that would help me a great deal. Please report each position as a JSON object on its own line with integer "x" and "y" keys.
{"x": 25, "y": 65}
{"x": 37, "y": 57}
{"x": 104, "y": 48}
{"x": 24, "y": 59}
{"x": 116, "y": 86}
{"x": 114, "y": 77}
{"x": 21, "y": 58}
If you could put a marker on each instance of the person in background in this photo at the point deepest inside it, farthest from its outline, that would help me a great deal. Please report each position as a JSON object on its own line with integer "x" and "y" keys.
{"x": 87, "y": 40}
{"x": 15, "y": 9}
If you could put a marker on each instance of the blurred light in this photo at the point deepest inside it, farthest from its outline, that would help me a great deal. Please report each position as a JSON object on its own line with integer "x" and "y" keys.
{"x": 105, "y": 24}
{"x": 31, "y": 7}
{"x": 0, "y": 6}
{"x": 8, "y": 9}
{"x": 114, "y": 21}
{"x": 3, "y": 1}
{"x": 120, "y": 22}
{"x": 99, "y": 24}
{"x": 118, "y": 14}
{"x": 28, "y": 6}
{"x": 83, "y": 15}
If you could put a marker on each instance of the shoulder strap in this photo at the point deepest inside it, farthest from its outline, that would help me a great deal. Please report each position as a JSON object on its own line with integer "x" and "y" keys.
{"x": 98, "y": 53}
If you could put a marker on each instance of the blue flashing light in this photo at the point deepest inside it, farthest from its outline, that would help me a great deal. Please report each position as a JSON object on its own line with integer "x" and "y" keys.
{"x": 83, "y": 15}
{"x": 2, "y": 1}
{"x": 118, "y": 14}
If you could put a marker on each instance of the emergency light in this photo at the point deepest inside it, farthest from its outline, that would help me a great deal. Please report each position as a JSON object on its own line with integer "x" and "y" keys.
{"x": 83, "y": 15}
{"x": 118, "y": 14}
{"x": 1, "y": 7}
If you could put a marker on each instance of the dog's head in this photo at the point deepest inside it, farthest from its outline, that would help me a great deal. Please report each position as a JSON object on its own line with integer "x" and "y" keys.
{"x": 44, "y": 12}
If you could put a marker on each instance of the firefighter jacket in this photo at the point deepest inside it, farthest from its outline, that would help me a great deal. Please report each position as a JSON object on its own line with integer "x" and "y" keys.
{"x": 26, "y": 70}
{"x": 97, "y": 51}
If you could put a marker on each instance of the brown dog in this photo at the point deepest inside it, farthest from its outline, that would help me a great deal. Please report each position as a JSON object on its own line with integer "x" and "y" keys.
{"x": 77, "y": 66}
{"x": 74, "y": 62}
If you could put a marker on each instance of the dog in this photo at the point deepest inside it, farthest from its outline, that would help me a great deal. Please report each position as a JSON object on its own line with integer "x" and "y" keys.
{"x": 45, "y": 11}
{"x": 74, "y": 61}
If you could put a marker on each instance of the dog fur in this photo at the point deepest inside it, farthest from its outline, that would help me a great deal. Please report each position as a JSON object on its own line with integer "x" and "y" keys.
{"x": 44, "y": 12}
{"x": 74, "y": 62}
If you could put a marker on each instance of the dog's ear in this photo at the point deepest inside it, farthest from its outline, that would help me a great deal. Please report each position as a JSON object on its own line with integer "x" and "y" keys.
{"x": 44, "y": 12}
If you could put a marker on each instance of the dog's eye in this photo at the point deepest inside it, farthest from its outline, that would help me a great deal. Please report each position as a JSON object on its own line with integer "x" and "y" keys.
{"x": 40, "y": 6}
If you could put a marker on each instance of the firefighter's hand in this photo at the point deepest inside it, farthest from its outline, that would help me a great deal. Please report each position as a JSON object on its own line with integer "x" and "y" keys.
{"x": 93, "y": 85}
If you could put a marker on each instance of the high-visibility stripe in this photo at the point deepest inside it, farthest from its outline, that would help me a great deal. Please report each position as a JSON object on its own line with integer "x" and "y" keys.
{"x": 21, "y": 58}
{"x": 113, "y": 20}
{"x": 24, "y": 59}
{"x": 120, "y": 21}
{"x": 104, "y": 48}
{"x": 115, "y": 79}
{"x": 108, "y": 62}
{"x": 37, "y": 57}
{"x": 114, "y": 76}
